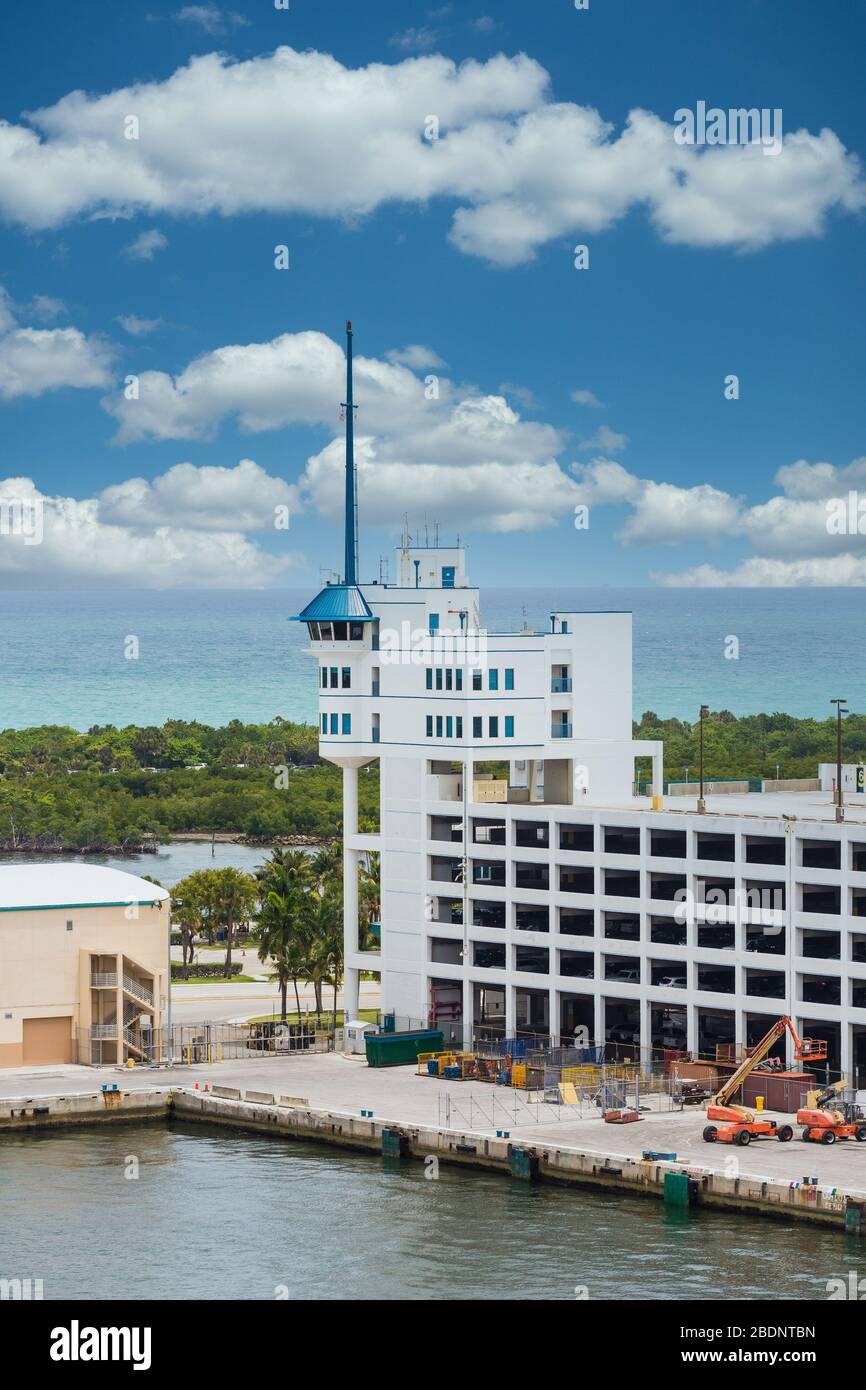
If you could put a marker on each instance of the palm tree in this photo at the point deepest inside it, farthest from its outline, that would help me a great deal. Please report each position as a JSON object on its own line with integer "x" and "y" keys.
{"x": 186, "y": 912}
{"x": 370, "y": 900}
{"x": 326, "y": 863}
{"x": 280, "y": 937}
{"x": 322, "y": 919}
{"x": 233, "y": 898}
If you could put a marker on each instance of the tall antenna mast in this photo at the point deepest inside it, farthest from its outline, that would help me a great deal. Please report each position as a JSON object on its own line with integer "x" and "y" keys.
{"x": 351, "y": 560}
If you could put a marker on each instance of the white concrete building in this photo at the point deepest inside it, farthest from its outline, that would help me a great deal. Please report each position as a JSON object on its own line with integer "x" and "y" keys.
{"x": 639, "y": 920}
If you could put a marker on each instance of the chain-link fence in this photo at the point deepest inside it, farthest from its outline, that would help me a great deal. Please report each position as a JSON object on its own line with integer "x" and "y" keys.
{"x": 189, "y": 1044}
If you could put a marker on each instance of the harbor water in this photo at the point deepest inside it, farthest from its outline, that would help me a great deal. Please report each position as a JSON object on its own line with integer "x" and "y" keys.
{"x": 167, "y": 1211}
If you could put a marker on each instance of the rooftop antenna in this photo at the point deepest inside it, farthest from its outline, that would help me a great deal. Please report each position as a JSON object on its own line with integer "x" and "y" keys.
{"x": 351, "y": 559}
{"x": 426, "y": 535}
{"x": 436, "y": 534}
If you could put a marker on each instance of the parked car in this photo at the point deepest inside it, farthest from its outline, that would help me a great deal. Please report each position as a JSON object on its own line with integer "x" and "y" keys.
{"x": 672, "y": 982}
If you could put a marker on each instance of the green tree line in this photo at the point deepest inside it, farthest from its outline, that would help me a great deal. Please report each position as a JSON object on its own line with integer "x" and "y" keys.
{"x": 60, "y": 788}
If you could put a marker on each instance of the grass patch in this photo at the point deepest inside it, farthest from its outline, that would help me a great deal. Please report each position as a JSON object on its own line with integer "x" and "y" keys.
{"x": 366, "y": 1016}
{"x": 218, "y": 980}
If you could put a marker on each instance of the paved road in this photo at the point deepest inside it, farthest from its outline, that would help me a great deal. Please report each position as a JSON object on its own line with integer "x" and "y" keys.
{"x": 218, "y": 1003}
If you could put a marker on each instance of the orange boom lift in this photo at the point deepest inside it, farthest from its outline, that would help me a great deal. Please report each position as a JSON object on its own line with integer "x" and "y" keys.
{"x": 739, "y": 1125}
{"x": 825, "y": 1122}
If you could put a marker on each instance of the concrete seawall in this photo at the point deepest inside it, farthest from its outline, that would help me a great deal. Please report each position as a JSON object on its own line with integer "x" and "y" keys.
{"x": 676, "y": 1183}
{"x": 57, "y": 1112}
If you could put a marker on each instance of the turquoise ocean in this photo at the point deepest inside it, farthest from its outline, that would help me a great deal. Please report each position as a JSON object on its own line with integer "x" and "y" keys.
{"x": 220, "y": 655}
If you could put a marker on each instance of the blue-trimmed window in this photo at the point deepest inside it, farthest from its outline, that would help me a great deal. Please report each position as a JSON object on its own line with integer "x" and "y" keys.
{"x": 449, "y": 679}
{"x": 476, "y": 727}
{"x": 429, "y": 678}
{"x": 438, "y": 677}
{"x": 509, "y": 726}
{"x": 459, "y": 723}
{"x": 335, "y": 724}
{"x": 429, "y": 723}
{"x": 347, "y": 724}
{"x": 334, "y": 680}
{"x": 324, "y": 681}
{"x": 509, "y": 678}
{"x": 493, "y": 679}
{"x": 324, "y": 723}
{"x": 449, "y": 726}
{"x": 458, "y": 678}
{"x": 347, "y": 677}
{"x": 493, "y": 726}
{"x": 439, "y": 726}
{"x": 433, "y": 621}
{"x": 476, "y": 680}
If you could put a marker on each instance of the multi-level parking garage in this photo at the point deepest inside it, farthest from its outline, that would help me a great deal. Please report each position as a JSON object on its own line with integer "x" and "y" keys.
{"x": 658, "y": 929}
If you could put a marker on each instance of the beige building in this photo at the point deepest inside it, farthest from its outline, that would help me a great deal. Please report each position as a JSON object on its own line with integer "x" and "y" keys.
{"x": 84, "y": 965}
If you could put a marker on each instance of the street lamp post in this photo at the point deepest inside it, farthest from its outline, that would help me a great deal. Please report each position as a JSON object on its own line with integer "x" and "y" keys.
{"x": 701, "y": 803}
{"x": 841, "y": 708}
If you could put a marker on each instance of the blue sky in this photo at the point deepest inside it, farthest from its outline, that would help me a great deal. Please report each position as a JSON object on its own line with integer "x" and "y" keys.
{"x": 150, "y": 257}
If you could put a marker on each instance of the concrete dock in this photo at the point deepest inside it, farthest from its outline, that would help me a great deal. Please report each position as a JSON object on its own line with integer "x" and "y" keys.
{"x": 339, "y": 1100}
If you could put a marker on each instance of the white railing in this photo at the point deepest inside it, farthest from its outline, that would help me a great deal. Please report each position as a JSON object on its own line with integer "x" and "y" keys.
{"x": 100, "y": 978}
{"x": 133, "y": 987}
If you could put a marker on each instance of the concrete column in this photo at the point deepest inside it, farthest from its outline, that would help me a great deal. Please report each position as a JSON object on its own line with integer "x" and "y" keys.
{"x": 598, "y": 1016}
{"x": 510, "y": 1010}
{"x": 846, "y": 1048}
{"x": 553, "y": 1011}
{"x": 468, "y": 1010}
{"x": 351, "y": 984}
{"x": 691, "y": 1028}
{"x": 645, "y": 1026}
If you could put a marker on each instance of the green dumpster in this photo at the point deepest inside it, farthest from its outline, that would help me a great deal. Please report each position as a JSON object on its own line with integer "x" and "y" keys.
{"x": 400, "y": 1049}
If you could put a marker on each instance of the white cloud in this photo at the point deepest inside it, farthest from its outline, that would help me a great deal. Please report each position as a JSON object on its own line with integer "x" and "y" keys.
{"x": 587, "y": 398}
{"x": 136, "y": 327}
{"x": 80, "y": 547}
{"x": 46, "y": 308}
{"x": 467, "y": 456}
{"x": 667, "y": 515}
{"x": 605, "y": 439}
{"x": 490, "y": 496}
{"x": 840, "y": 571}
{"x": 415, "y": 40}
{"x": 299, "y": 132}
{"x": 34, "y": 360}
{"x": 800, "y": 539}
{"x": 212, "y": 19}
{"x": 807, "y": 481}
{"x": 523, "y": 395}
{"x": 243, "y": 498}
{"x": 415, "y": 356}
{"x": 145, "y": 246}
{"x": 661, "y": 513}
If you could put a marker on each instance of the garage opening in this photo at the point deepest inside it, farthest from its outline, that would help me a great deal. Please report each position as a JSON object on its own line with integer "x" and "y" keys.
{"x": 716, "y": 1033}
{"x": 47, "y": 1040}
{"x": 576, "y": 1016}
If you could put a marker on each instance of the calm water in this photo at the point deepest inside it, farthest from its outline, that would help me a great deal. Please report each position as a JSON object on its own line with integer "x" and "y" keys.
{"x": 234, "y": 1216}
{"x": 219, "y": 656}
{"x": 172, "y": 862}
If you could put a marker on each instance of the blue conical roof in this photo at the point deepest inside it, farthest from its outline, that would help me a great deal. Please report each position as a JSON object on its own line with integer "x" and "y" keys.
{"x": 337, "y": 603}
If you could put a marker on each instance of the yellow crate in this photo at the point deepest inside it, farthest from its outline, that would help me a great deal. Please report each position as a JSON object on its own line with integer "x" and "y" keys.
{"x": 518, "y": 1074}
